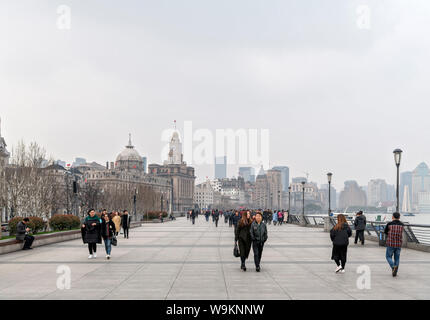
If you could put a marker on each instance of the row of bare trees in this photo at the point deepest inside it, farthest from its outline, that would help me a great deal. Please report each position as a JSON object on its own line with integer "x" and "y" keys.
{"x": 28, "y": 189}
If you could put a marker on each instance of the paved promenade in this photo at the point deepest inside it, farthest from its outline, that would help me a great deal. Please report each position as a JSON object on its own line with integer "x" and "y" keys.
{"x": 177, "y": 260}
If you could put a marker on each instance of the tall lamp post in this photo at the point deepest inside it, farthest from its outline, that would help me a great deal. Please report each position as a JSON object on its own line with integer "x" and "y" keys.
{"x": 303, "y": 206}
{"x": 329, "y": 177}
{"x": 134, "y": 202}
{"x": 397, "y": 159}
{"x": 289, "y": 203}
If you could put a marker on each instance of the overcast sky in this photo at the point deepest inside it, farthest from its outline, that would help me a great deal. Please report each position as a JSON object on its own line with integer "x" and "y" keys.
{"x": 335, "y": 97}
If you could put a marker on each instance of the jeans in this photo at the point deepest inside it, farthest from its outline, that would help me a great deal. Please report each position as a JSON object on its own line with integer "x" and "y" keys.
{"x": 108, "y": 246}
{"x": 389, "y": 255}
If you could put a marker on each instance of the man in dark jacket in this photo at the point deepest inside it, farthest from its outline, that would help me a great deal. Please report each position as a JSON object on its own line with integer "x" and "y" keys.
{"x": 394, "y": 232}
{"x": 259, "y": 237}
{"x": 360, "y": 225}
{"x": 22, "y": 234}
{"x": 216, "y": 217}
{"x": 193, "y": 216}
{"x": 125, "y": 223}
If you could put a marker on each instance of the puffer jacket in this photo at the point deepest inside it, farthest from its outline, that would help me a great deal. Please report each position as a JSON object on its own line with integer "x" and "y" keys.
{"x": 360, "y": 223}
{"x": 341, "y": 237}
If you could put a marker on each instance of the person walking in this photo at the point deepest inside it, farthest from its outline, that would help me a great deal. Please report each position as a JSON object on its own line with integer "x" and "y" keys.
{"x": 360, "y": 225}
{"x": 207, "y": 214}
{"x": 108, "y": 231}
{"x": 193, "y": 216}
{"x": 125, "y": 223}
{"x": 116, "y": 219}
{"x": 280, "y": 217}
{"x": 91, "y": 233}
{"x": 259, "y": 237}
{"x": 216, "y": 217}
{"x": 243, "y": 237}
{"x": 22, "y": 234}
{"x": 275, "y": 218}
{"x": 394, "y": 242}
{"x": 340, "y": 237}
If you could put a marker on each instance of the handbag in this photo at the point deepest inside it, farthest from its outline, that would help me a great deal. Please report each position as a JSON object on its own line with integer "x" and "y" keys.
{"x": 236, "y": 252}
{"x": 114, "y": 241}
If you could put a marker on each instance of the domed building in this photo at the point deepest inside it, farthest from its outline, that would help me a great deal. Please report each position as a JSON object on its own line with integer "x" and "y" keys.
{"x": 4, "y": 154}
{"x": 129, "y": 159}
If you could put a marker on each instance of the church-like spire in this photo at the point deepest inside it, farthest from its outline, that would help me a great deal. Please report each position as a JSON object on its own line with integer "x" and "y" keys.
{"x": 130, "y": 146}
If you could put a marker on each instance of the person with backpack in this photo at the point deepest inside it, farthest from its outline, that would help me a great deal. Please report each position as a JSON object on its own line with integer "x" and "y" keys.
{"x": 243, "y": 237}
{"x": 108, "y": 231}
{"x": 91, "y": 233}
{"x": 394, "y": 232}
{"x": 259, "y": 237}
{"x": 360, "y": 225}
{"x": 340, "y": 235}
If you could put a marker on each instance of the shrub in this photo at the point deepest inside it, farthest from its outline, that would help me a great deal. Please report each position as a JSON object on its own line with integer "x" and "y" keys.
{"x": 36, "y": 224}
{"x": 60, "y": 222}
{"x": 154, "y": 214}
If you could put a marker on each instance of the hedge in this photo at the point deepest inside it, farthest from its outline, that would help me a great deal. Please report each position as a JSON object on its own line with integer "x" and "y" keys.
{"x": 154, "y": 214}
{"x": 60, "y": 222}
{"x": 36, "y": 224}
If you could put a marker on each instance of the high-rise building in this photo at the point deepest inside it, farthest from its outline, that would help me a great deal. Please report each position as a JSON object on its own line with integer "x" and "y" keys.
{"x": 377, "y": 192}
{"x": 406, "y": 200}
{"x": 406, "y": 181}
{"x": 352, "y": 195}
{"x": 221, "y": 167}
{"x": 247, "y": 173}
{"x": 285, "y": 176}
{"x": 420, "y": 183}
{"x": 333, "y": 196}
{"x": 145, "y": 164}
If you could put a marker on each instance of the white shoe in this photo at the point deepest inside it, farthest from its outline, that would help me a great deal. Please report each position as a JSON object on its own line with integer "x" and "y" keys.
{"x": 108, "y": 257}
{"x": 95, "y": 255}
{"x": 90, "y": 256}
{"x": 342, "y": 271}
{"x": 338, "y": 269}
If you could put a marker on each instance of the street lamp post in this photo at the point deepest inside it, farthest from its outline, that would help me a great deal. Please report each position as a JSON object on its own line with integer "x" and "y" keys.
{"x": 397, "y": 160}
{"x": 134, "y": 203}
{"x": 329, "y": 177}
{"x": 289, "y": 203}
{"x": 279, "y": 200}
{"x": 303, "y": 206}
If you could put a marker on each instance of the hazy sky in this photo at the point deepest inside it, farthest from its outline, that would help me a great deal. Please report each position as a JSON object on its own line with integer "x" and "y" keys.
{"x": 335, "y": 97}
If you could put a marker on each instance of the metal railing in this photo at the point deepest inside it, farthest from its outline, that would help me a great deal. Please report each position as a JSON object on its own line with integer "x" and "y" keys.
{"x": 416, "y": 233}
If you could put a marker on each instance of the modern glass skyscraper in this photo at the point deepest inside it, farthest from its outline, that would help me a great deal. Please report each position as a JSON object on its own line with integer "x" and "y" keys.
{"x": 247, "y": 173}
{"x": 285, "y": 176}
{"x": 405, "y": 181}
{"x": 221, "y": 167}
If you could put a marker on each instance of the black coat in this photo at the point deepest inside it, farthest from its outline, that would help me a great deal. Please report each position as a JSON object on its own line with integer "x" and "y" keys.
{"x": 109, "y": 231}
{"x": 360, "y": 223}
{"x": 341, "y": 237}
{"x": 91, "y": 234}
{"x": 258, "y": 232}
{"x": 243, "y": 236}
{"x": 125, "y": 221}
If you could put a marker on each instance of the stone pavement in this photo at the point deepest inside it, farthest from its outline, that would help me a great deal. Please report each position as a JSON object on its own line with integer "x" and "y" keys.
{"x": 177, "y": 260}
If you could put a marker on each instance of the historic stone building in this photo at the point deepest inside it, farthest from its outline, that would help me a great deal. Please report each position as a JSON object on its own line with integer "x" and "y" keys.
{"x": 125, "y": 179}
{"x": 4, "y": 154}
{"x": 181, "y": 176}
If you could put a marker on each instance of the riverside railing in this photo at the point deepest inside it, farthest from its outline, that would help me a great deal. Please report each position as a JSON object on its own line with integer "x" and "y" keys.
{"x": 415, "y": 233}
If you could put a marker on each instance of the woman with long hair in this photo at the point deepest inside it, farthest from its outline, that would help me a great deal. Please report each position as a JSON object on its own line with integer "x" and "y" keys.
{"x": 243, "y": 236}
{"x": 340, "y": 237}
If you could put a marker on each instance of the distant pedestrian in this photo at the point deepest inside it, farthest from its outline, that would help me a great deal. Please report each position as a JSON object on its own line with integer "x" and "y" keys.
{"x": 243, "y": 237}
{"x": 193, "y": 216}
{"x": 259, "y": 237}
{"x": 108, "y": 231}
{"x": 91, "y": 233}
{"x": 116, "y": 219}
{"x": 394, "y": 232}
{"x": 275, "y": 218}
{"x": 207, "y": 214}
{"x": 340, "y": 237}
{"x": 280, "y": 217}
{"x": 360, "y": 225}
{"x": 125, "y": 223}
{"x": 216, "y": 217}
{"x": 22, "y": 234}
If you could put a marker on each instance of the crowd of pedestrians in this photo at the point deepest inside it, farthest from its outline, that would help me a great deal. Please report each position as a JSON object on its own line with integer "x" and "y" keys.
{"x": 104, "y": 226}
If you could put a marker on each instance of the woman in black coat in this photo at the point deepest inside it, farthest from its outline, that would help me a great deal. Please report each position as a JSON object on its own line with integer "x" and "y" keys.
{"x": 243, "y": 236}
{"x": 107, "y": 232}
{"x": 91, "y": 233}
{"x": 340, "y": 237}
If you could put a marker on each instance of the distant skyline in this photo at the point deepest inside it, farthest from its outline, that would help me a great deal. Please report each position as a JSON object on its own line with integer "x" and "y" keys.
{"x": 335, "y": 97}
